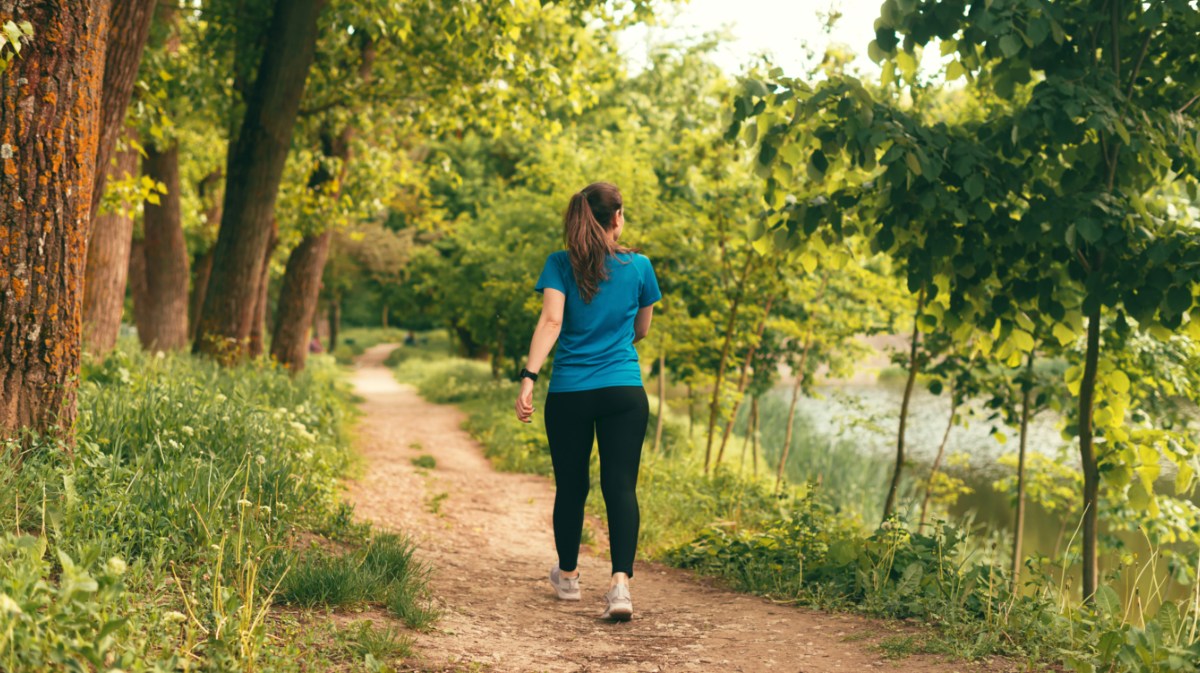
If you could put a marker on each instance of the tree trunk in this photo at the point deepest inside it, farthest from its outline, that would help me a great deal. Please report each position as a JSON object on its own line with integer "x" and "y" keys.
{"x": 137, "y": 284}
{"x": 1019, "y": 522}
{"x": 166, "y": 310}
{"x": 298, "y": 301}
{"x": 662, "y": 396}
{"x": 335, "y": 321}
{"x": 49, "y": 121}
{"x": 254, "y": 345}
{"x": 202, "y": 265}
{"x": 913, "y": 365}
{"x": 128, "y": 31}
{"x": 108, "y": 268}
{"x": 301, "y": 288}
{"x": 715, "y": 406}
{"x": 1087, "y": 456}
{"x": 745, "y": 377}
{"x": 691, "y": 412}
{"x": 754, "y": 435}
{"x": 384, "y": 321}
{"x": 255, "y": 168}
{"x": 791, "y": 421}
{"x": 201, "y": 269}
{"x": 937, "y": 461}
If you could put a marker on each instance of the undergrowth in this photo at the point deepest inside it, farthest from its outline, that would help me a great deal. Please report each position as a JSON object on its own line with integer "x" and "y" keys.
{"x": 808, "y": 547}
{"x": 162, "y": 538}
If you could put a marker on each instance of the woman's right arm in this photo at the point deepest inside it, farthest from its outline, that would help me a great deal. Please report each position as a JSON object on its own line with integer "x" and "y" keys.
{"x": 545, "y": 335}
{"x": 641, "y": 323}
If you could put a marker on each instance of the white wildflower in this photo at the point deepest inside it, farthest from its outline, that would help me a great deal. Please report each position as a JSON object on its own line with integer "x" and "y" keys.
{"x": 265, "y": 509}
{"x": 116, "y": 566}
{"x": 8, "y": 606}
{"x": 160, "y": 355}
{"x": 174, "y": 617}
{"x": 220, "y": 398}
{"x": 187, "y": 430}
{"x": 260, "y": 459}
{"x": 244, "y": 503}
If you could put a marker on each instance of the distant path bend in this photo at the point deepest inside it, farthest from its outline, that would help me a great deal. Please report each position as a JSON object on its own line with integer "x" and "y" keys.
{"x": 488, "y": 537}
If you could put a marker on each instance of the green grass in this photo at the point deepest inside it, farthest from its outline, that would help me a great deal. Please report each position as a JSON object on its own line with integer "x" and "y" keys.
{"x": 164, "y": 530}
{"x": 382, "y": 572}
{"x": 381, "y": 643}
{"x": 425, "y": 462}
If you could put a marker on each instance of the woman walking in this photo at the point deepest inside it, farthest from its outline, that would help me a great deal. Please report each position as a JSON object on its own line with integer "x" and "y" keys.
{"x": 597, "y": 301}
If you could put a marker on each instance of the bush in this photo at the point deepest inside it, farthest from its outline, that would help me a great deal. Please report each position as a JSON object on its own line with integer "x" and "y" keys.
{"x": 147, "y": 538}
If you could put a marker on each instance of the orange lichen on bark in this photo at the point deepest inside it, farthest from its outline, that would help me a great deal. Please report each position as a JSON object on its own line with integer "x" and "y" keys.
{"x": 18, "y": 289}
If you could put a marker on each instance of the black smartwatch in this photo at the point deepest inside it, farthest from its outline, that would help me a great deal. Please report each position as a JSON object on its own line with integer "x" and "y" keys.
{"x": 526, "y": 374}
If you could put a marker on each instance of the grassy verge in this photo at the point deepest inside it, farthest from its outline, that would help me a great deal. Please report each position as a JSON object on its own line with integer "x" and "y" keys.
{"x": 194, "y": 500}
{"x": 805, "y": 546}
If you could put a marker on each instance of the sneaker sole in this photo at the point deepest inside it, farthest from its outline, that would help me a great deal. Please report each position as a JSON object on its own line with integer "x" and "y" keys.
{"x": 567, "y": 597}
{"x": 619, "y": 615}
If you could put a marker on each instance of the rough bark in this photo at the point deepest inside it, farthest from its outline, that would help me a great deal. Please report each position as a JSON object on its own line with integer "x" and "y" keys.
{"x": 254, "y": 345}
{"x": 298, "y": 301}
{"x": 128, "y": 31}
{"x": 255, "y": 168}
{"x": 108, "y": 267}
{"x": 1087, "y": 456}
{"x": 914, "y": 366}
{"x": 49, "y": 122}
{"x": 164, "y": 322}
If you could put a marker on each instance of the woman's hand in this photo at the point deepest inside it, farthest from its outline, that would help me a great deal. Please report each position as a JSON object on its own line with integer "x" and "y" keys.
{"x": 524, "y": 405}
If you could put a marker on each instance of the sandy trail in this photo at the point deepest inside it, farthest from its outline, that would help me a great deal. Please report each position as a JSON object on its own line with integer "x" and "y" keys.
{"x": 488, "y": 537}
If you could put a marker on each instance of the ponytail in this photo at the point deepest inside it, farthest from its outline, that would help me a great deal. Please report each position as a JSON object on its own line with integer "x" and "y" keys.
{"x": 586, "y": 227}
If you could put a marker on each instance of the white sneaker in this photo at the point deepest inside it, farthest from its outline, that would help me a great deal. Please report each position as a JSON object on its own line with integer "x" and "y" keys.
{"x": 620, "y": 604}
{"x": 567, "y": 588}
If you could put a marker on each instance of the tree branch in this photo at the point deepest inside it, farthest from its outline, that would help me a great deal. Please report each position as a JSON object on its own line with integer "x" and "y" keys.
{"x": 1188, "y": 104}
{"x": 1137, "y": 67}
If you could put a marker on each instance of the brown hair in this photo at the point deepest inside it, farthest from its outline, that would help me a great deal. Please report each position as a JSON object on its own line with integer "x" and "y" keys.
{"x": 587, "y": 224}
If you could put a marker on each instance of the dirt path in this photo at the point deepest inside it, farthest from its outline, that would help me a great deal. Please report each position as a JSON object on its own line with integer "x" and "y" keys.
{"x": 488, "y": 537}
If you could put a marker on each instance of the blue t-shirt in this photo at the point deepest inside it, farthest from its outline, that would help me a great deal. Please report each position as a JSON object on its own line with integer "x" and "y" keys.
{"x": 595, "y": 346}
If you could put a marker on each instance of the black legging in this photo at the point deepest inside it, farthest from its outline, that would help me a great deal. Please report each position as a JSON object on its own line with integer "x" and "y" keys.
{"x": 616, "y": 417}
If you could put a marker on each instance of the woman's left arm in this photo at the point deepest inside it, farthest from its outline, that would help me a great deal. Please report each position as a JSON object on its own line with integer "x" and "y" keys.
{"x": 545, "y": 335}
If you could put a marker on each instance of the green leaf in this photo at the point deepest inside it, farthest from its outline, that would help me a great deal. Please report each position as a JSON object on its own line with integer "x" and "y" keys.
{"x": 914, "y": 164}
{"x": 1011, "y": 45}
{"x": 1089, "y": 229}
{"x": 1107, "y": 600}
{"x": 1118, "y": 381}
{"x": 1022, "y": 340}
{"x": 1179, "y": 299}
{"x": 1063, "y": 333}
{"x": 974, "y": 186}
{"x": 954, "y": 70}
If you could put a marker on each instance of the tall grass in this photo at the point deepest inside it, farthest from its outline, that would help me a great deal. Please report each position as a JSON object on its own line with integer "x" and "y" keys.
{"x": 154, "y": 542}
